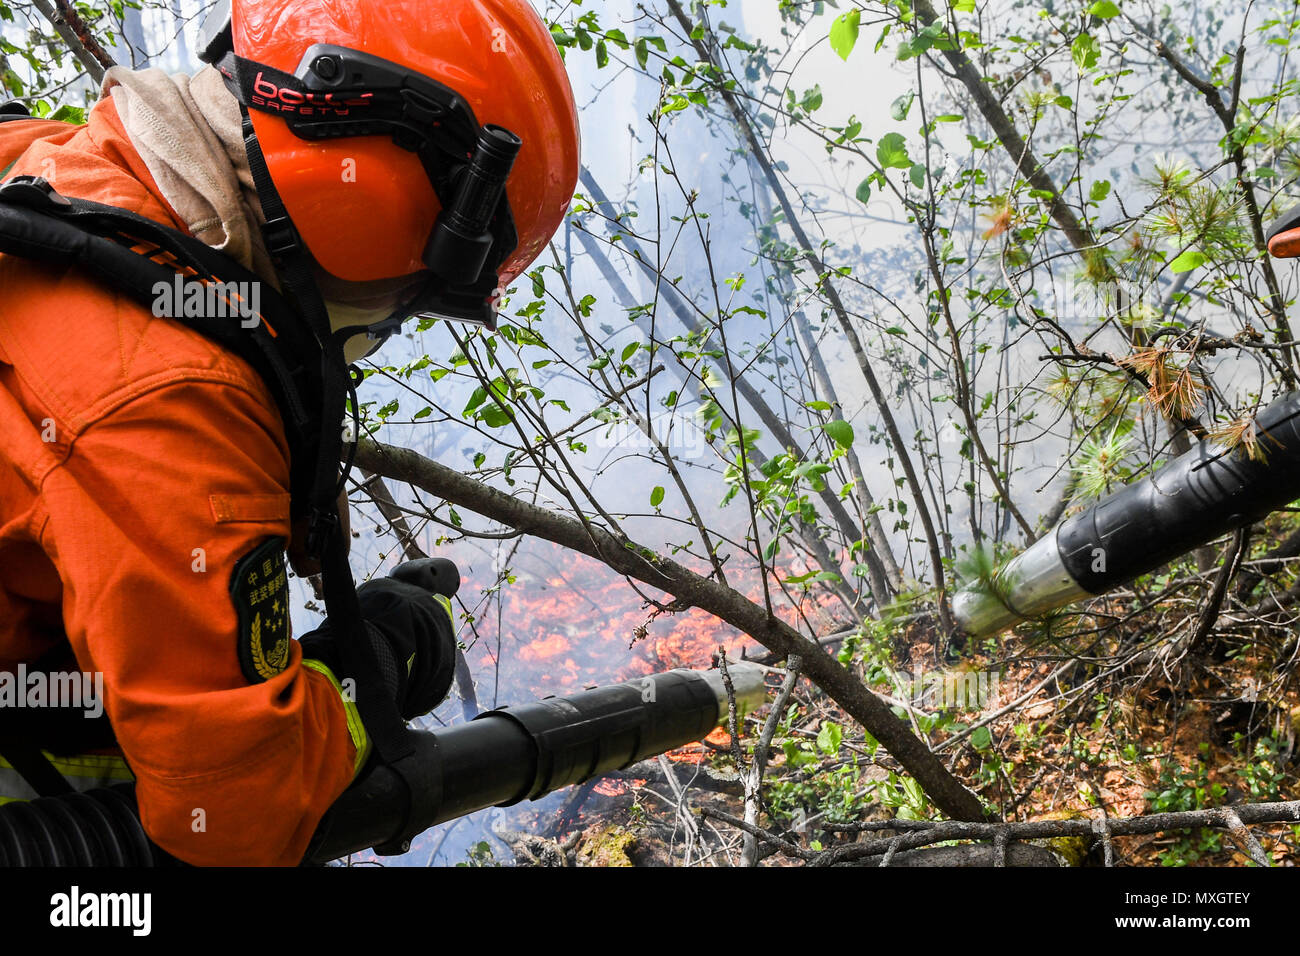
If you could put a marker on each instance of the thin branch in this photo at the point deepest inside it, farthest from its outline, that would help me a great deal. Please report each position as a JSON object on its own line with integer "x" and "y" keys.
{"x": 378, "y": 491}
{"x": 754, "y": 779}
{"x": 926, "y": 833}
{"x": 824, "y": 275}
{"x": 73, "y": 31}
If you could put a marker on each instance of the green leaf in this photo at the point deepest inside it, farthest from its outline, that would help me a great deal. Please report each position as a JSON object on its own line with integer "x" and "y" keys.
{"x": 1188, "y": 261}
{"x": 864, "y": 190}
{"x": 981, "y": 739}
{"x": 844, "y": 33}
{"x": 899, "y": 108}
{"x": 891, "y": 152}
{"x": 494, "y": 416}
{"x": 1086, "y": 51}
{"x": 963, "y": 6}
{"x": 841, "y": 432}
{"x": 475, "y": 400}
{"x": 1104, "y": 10}
{"x": 656, "y": 496}
{"x": 675, "y": 103}
{"x": 829, "y": 738}
{"x": 1100, "y": 190}
{"x": 751, "y": 435}
{"x": 931, "y": 37}
{"x": 918, "y": 175}
{"x": 796, "y": 756}
{"x": 812, "y": 471}
{"x": 69, "y": 114}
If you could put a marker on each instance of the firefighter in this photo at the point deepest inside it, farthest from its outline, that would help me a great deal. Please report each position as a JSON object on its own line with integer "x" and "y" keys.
{"x": 145, "y": 472}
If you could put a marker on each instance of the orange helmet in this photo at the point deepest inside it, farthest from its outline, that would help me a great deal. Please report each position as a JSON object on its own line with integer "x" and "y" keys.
{"x": 407, "y": 137}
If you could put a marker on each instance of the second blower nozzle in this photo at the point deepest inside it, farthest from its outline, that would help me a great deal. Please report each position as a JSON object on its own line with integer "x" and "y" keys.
{"x": 1195, "y": 498}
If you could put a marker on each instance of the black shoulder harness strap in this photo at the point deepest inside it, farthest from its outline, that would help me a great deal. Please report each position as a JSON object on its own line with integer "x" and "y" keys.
{"x": 136, "y": 256}
{"x": 299, "y": 360}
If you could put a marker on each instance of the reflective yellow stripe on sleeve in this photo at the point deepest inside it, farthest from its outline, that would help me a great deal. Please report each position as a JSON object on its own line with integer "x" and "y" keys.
{"x": 82, "y": 771}
{"x": 360, "y": 739}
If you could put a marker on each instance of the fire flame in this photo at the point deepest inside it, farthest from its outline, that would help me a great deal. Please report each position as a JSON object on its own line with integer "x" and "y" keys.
{"x": 580, "y": 624}
{"x": 691, "y": 753}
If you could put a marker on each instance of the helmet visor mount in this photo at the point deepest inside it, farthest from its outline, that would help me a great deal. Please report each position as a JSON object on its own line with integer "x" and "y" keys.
{"x": 338, "y": 92}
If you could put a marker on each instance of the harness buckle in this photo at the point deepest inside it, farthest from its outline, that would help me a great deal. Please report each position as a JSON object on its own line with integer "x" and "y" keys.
{"x": 281, "y": 237}
{"x": 321, "y": 526}
{"x": 32, "y": 192}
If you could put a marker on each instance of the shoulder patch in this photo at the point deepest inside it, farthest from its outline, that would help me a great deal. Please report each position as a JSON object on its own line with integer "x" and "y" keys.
{"x": 259, "y": 589}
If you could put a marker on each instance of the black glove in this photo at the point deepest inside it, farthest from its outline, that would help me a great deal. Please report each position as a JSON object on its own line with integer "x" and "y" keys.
{"x": 409, "y": 621}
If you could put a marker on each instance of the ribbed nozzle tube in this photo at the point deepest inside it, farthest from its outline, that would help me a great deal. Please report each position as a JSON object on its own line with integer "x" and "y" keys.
{"x": 498, "y": 759}
{"x": 522, "y": 753}
{"x": 1199, "y": 496}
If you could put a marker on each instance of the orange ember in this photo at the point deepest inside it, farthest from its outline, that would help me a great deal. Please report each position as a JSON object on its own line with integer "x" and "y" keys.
{"x": 719, "y": 737}
{"x": 610, "y": 788}
{"x": 691, "y": 753}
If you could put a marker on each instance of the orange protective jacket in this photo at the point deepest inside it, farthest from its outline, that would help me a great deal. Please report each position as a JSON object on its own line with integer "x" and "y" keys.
{"x": 139, "y": 463}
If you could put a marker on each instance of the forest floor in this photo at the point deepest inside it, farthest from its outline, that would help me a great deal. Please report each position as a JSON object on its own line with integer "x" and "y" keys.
{"x": 1100, "y": 729}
